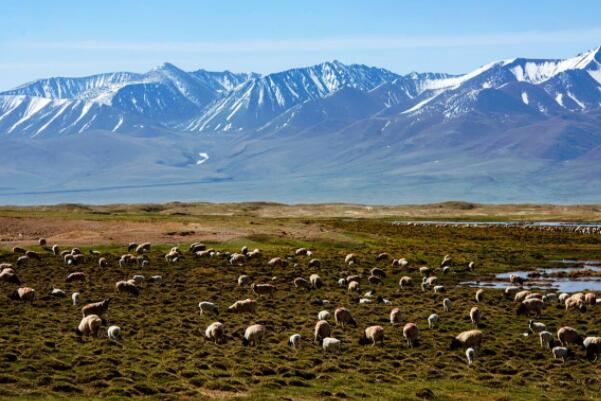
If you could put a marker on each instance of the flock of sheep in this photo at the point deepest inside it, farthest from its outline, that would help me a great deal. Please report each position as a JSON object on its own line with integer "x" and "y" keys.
{"x": 94, "y": 314}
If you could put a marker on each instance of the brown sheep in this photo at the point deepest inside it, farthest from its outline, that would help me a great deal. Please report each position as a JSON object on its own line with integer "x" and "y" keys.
{"x": 96, "y": 308}
{"x": 343, "y": 317}
{"x": 373, "y": 335}
{"x": 467, "y": 339}
{"x": 567, "y": 335}
{"x": 529, "y": 306}
{"x": 245, "y": 306}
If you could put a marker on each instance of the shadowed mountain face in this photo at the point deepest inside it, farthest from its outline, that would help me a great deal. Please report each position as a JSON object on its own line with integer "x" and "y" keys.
{"x": 512, "y": 130}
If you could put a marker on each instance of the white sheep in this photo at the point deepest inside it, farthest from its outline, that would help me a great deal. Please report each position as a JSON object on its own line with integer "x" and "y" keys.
{"x": 253, "y": 334}
{"x": 546, "y": 339}
{"x": 432, "y": 320}
{"x": 470, "y": 353}
{"x": 536, "y": 327}
{"x": 331, "y": 345}
{"x": 475, "y": 316}
{"x": 324, "y": 315}
{"x": 446, "y": 304}
{"x": 215, "y": 332}
{"x": 294, "y": 341}
{"x": 342, "y": 282}
{"x": 560, "y": 353}
{"x": 75, "y": 297}
{"x": 208, "y": 307}
{"x": 114, "y": 333}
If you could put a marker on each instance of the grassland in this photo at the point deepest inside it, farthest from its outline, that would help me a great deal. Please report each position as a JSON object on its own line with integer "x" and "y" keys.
{"x": 163, "y": 354}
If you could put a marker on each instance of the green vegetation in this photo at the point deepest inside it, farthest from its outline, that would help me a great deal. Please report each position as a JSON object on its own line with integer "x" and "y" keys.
{"x": 163, "y": 354}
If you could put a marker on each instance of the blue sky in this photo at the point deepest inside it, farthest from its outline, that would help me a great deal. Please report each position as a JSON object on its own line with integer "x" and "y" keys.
{"x": 72, "y": 38}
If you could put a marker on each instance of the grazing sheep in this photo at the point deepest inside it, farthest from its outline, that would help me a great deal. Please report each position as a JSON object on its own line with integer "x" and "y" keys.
{"x": 395, "y": 316}
{"x": 475, "y": 316}
{"x": 33, "y": 255}
{"x": 383, "y": 301}
{"x": 515, "y": 279}
{"x": 330, "y": 345}
{"x": 89, "y": 326}
{"x": 372, "y": 334}
{"x": 324, "y": 315}
{"x": 8, "y": 275}
{"x": 534, "y": 295}
{"x": 114, "y": 333}
{"x": 208, "y": 307}
{"x": 521, "y": 295}
{"x": 131, "y": 246}
{"x": 237, "y": 259}
{"x": 197, "y": 247}
{"x": 341, "y": 282}
{"x": 22, "y": 261}
{"x": 314, "y": 264}
{"x": 253, "y": 334}
{"x": 244, "y": 280}
{"x": 142, "y": 248}
{"x": 402, "y": 262}
{"x": 128, "y": 259}
{"x": 75, "y": 297}
{"x": 322, "y": 330}
{"x": 155, "y": 279}
{"x": 263, "y": 289}
{"x": 138, "y": 279}
{"x": 376, "y": 271}
{"x": 254, "y": 254}
{"x": 567, "y": 335}
{"x": 294, "y": 341}
{"x": 78, "y": 258}
{"x": 536, "y": 327}
{"x": 411, "y": 333}
{"x": 425, "y": 271}
{"x": 561, "y": 353}
{"x": 382, "y": 256}
{"x": 576, "y": 301}
{"x": 354, "y": 286}
{"x": 343, "y": 317}
{"x": 42, "y": 242}
{"x": 446, "y": 304}
{"x": 439, "y": 289}
{"x": 351, "y": 258}
{"x": 316, "y": 281}
{"x": 94, "y": 253}
{"x": 301, "y": 251}
{"x": 467, "y": 339}
{"x": 203, "y": 254}
{"x": 471, "y": 266}
{"x": 562, "y": 297}
{"x": 590, "y": 298}
{"x": 244, "y": 306}
{"x": 215, "y": 332}
{"x": 103, "y": 262}
{"x": 58, "y": 293}
{"x": 447, "y": 261}
{"x": 480, "y": 295}
{"x": 96, "y": 308}
{"x": 592, "y": 345}
{"x": 529, "y": 306}
{"x": 55, "y": 249}
{"x": 470, "y": 354}
{"x": 405, "y": 281}
{"x": 18, "y": 249}
{"x": 546, "y": 339}
{"x": 24, "y": 294}
{"x": 76, "y": 276}
{"x": 277, "y": 262}
{"x": 128, "y": 287}
{"x": 363, "y": 301}
{"x": 432, "y": 320}
{"x": 301, "y": 282}
{"x": 550, "y": 297}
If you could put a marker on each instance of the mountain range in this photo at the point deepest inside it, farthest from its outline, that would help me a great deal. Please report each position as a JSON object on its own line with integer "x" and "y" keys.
{"x": 517, "y": 130}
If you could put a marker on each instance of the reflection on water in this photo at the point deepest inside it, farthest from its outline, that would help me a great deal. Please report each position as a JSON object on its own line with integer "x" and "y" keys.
{"x": 539, "y": 278}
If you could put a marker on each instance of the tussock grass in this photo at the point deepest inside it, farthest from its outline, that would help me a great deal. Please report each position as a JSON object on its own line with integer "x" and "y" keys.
{"x": 163, "y": 354}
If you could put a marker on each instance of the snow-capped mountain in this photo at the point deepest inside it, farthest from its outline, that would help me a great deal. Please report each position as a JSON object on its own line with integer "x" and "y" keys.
{"x": 512, "y": 130}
